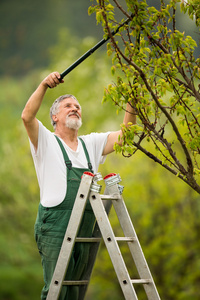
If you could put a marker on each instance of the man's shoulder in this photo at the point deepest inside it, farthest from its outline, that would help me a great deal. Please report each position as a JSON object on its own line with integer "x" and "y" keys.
{"x": 45, "y": 135}
{"x": 94, "y": 135}
{"x": 91, "y": 136}
{"x": 88, "y": 136}
{"x": 44, "y": 129}
{"x": 95, "y": 138}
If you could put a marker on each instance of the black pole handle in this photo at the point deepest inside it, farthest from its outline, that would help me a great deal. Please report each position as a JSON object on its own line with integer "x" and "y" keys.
{"x": 81, "y": 59}
{"x": 89, "y": 52}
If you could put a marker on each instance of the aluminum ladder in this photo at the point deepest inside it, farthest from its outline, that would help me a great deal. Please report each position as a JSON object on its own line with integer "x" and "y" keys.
{"x": 101, "y": 204}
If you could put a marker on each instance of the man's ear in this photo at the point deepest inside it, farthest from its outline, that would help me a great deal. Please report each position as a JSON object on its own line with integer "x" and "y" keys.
{"x": 54, "y": 117}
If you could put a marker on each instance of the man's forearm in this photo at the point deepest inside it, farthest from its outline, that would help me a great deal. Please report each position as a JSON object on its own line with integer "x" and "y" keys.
{"x": 35, "y": 101}
{"x": 130, "y": 115}
{"x": 32, "y": 106}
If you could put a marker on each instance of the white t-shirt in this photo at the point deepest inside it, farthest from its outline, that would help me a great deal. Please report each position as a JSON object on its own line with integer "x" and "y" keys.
{"x": 50, "y": 166}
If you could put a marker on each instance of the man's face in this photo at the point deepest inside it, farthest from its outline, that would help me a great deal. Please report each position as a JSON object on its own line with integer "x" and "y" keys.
{"x": 69, "y": 113}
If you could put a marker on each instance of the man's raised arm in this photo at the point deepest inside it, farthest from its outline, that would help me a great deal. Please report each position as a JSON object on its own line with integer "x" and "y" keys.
{"x": 130, "y": 116}
{"x": 32, "y": 106}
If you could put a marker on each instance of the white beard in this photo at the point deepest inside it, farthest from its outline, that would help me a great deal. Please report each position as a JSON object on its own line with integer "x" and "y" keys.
{"x": 73, "y": 123}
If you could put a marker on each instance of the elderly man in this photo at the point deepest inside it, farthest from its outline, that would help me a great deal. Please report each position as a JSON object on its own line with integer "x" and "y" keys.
{"x": 60, "y": 158}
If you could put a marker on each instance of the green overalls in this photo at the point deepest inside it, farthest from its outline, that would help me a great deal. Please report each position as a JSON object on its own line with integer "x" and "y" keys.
{"x": 50, "y": 227}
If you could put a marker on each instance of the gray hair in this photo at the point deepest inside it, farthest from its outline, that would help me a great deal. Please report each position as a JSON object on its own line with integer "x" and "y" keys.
{"x": 55, "y": 107}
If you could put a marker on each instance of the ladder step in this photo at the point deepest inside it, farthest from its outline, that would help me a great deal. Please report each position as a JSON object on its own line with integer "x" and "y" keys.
{"x": 125, "y": 239}
{"x": 110, "y": 197}
{"x": 141, "y": 281}
{"x": 88, "y": 240}
{"x": 75, "y": 282}
{"x": 97, "y": 240}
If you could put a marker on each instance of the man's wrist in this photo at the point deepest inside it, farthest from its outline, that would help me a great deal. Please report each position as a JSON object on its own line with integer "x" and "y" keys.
{"x": 43, "y": 85}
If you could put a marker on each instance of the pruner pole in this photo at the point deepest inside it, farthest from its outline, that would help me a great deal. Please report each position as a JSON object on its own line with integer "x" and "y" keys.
{"x": 89, "y": 52}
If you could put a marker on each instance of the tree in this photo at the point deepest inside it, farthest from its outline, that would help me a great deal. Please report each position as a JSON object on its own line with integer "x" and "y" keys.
{"x": 158, "y": 74}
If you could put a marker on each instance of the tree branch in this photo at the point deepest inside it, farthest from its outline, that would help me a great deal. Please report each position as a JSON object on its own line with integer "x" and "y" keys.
{"x": 193, "y": 184}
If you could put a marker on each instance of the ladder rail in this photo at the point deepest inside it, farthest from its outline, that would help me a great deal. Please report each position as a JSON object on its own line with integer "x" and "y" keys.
{"x": 137, "y": 254}
{"x": 69, "y": 240}
{"x": 112, "y": 246}
{"x": 134, "y": 247}
{"x": 94, "y": 250}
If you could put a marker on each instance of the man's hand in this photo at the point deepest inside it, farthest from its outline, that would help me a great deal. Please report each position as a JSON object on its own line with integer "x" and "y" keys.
{"x": 52, "y": 80}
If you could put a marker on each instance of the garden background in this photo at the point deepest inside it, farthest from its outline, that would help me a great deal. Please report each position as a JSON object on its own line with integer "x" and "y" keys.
{"x": 36, "y": 38}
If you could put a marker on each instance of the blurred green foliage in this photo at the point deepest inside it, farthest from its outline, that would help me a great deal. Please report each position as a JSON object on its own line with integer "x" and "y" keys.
{"x": 28, "y": 28}
{"x": 165, "y": 211}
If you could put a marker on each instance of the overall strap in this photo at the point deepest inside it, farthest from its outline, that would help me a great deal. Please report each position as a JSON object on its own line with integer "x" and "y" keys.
{"x": 87, "y": 155}
{"x": 66, "y": 158}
